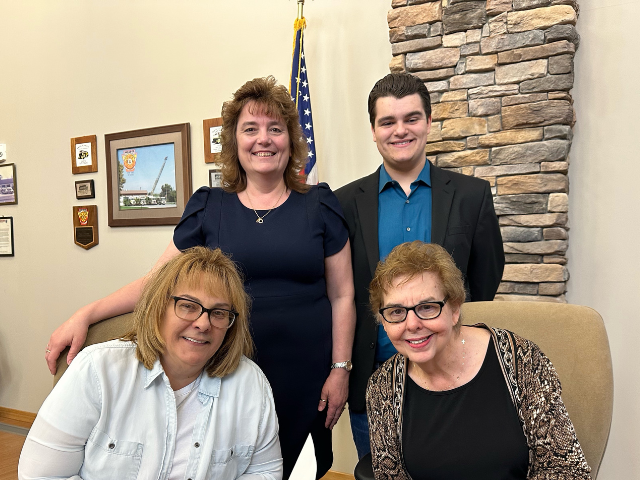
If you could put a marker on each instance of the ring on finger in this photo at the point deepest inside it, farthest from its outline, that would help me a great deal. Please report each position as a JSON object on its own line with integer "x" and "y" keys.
{"x": 323, "y": 400}
{"x": 48, "y": 351}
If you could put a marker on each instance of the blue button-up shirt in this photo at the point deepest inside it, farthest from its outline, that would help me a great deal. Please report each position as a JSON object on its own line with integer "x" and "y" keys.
{"x": 401, "y": 218}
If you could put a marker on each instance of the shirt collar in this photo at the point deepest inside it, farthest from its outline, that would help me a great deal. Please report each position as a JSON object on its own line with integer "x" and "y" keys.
{"x": 209, "y": 386}
{"x": 423, "y": 177}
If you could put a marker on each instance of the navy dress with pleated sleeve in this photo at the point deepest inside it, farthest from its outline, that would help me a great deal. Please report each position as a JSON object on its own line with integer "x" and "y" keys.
{"x": 282, "y": 260}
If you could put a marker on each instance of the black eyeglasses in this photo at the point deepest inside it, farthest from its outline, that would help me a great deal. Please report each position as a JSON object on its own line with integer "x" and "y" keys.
{"x": 424, "y": 311}
{"x": 190, "y": 310}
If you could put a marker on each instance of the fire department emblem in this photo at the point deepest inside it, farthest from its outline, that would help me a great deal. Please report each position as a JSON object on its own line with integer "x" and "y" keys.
{"x": 129, "y": 160}
{"x": 83, "y": 216}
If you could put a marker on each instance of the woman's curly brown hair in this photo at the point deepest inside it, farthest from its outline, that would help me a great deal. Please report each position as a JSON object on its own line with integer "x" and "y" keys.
{"x": 272, "y": 100}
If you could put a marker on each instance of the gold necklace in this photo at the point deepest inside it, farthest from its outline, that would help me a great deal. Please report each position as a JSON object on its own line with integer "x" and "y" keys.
{"x": 260, "y": 219}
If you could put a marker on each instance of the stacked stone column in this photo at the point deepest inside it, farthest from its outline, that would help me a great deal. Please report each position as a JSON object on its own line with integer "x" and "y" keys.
{"x": 499, "y": 73}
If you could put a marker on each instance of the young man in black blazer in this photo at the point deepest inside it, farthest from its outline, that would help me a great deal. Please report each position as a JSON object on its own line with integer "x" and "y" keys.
{"x": 407, "y": 199}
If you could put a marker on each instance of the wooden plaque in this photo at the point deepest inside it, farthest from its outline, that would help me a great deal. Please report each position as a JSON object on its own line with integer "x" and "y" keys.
{"x": 84, "y": 154}
{"x": 85, "y": 226}
{"x": 210, "y": 141}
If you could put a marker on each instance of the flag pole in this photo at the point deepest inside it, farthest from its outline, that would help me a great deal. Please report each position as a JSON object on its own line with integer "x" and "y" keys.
{"x": 300, "y": 7}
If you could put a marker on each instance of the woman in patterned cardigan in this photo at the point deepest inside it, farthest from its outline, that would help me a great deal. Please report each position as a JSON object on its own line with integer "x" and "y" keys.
{"x": 456, "y": 402}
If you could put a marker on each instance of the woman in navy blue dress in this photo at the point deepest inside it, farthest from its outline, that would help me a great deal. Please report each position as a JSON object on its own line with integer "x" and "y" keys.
{"x": 291, "y": 244}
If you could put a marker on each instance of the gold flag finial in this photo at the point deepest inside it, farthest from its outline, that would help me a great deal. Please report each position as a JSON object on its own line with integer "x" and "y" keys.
{"x": 300, "y": 7}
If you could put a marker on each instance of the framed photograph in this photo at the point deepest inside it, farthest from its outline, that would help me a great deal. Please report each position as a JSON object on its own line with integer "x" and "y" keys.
{"x": 85, "y": 189}
{"x": 8, "y": 185}
{"x": 212, "y": 128}
{"x": 148, "y": 175}
{"x": 6, "y": 236}
{"x": 84, "y": 154}
{"x": 215, "y": 177}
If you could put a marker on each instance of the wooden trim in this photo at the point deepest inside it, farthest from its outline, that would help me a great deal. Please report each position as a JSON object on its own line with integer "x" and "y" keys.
{"x": 17, "y": 418}
{"x": 333, "y": 475}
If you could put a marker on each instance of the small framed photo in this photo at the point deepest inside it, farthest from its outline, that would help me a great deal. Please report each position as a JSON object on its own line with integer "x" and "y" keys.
{"x": 148, "y": 175}
{"x": 215, "y": 177}
{"x": 6, "y": 237}
{"x": 212, "y": 129}
{"x": 84, "y": 154}
{"x": 8, "y": 185}
{"x": 85, "y": 189}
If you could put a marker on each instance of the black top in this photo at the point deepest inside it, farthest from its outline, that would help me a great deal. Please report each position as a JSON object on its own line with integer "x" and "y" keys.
{"x": 470, "y": 432}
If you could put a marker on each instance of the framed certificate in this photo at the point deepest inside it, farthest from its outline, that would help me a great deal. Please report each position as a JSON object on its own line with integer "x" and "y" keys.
{"x": 6, "y": 236}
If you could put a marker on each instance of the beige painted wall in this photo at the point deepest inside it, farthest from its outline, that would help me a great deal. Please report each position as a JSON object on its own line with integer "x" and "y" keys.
{"x": 76, "y": 68}
{"x": 604, "y": 212}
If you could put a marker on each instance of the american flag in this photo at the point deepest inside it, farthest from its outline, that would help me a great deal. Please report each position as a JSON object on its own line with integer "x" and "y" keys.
{"x": 299, "y": 88}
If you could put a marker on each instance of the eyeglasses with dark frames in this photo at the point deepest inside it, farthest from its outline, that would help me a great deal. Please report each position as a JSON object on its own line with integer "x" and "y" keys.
{"x": 190, "y": 310}
{"x": 424, "y": 311}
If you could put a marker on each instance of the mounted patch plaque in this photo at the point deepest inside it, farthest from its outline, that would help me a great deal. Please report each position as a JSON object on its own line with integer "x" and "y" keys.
{"x": 85, "y": 226}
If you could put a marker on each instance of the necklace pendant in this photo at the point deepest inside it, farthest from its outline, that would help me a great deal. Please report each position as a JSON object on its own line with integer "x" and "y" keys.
{"x": 259, "y": 220}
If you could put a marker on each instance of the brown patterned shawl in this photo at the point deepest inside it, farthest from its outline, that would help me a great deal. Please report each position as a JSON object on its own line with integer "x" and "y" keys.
{"x": 554, "y": 451}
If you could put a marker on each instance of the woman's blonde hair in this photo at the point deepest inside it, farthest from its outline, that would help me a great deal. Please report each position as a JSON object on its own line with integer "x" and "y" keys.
{"x": 202, "y": 268}
{"x": 411, "y": 259}
{"x": 273, "y": 100}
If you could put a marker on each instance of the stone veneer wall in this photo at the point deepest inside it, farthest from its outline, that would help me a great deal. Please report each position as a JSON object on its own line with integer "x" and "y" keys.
{"x": 499, "y": 73}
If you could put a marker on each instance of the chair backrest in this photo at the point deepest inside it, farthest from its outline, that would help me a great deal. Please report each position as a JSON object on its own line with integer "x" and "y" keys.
{"x": 100, "y": 332}
{"x": 575, "y": 340}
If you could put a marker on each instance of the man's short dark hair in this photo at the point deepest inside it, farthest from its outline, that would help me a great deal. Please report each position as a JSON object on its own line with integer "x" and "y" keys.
{"x": 398, "y": 85}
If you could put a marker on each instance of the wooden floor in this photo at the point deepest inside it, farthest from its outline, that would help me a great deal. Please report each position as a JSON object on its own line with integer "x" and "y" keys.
{"x": 10, "y": 447}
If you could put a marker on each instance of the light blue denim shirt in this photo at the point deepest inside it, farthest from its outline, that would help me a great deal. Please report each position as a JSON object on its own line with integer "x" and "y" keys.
{"x": 109, "y": 417}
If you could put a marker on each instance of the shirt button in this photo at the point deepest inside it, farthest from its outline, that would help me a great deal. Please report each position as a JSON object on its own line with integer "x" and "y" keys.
{"x": 372, "y": 345}
{"x": 408, "y": 229}
{"x": 112, "y": 446}
{"x": 197, "y": 445}
{"x": 407, "y": 201}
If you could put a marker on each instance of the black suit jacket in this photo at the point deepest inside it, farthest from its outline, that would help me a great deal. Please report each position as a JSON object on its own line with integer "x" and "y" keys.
{"x": 463, "y": 221}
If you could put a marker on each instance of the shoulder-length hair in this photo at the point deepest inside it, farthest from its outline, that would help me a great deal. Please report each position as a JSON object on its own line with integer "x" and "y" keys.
{"x": 407, "y": 261}
{"x": 273, "y": 100}
{"x": 197, "y": 267}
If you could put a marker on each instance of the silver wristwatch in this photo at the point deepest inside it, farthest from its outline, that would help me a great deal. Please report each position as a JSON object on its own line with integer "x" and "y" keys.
{"x": 346, "y": 365}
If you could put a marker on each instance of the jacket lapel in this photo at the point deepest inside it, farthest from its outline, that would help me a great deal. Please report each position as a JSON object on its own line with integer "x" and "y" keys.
{"x": 367, "y": 205}
{"x": 442, "y": 196}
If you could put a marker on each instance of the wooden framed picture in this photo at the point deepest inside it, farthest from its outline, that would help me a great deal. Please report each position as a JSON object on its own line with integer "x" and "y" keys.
{"x": 212, "y": 128}
{"x": 148, "y": 175}
{"x": 8, "y": 184}
{"x": 84, "y": 154}
{"x": 85, "y": 189}
{"x": 215, "y": 177}
{"x": 6, "y": 237}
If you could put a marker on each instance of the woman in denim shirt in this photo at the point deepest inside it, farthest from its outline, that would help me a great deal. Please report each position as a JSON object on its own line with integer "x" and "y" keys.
{"x": 175, "y": 398}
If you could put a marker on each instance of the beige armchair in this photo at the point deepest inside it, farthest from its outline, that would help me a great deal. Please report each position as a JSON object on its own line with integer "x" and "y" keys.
{"x": 575, "y": 340}
{"x": 573, "y": 337}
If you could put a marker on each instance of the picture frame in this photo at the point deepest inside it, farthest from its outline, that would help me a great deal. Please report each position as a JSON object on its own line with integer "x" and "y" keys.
{"x": 6, "y": 237}
{"x": 85, "y": 189}
{"x": 148, "y": 175}
{"x": 215, "y": 177}
{"x": 8, "y": 184}
{"x": 211, "y": 130}
{"x": 84, "y": 154}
